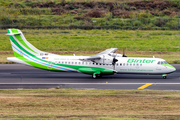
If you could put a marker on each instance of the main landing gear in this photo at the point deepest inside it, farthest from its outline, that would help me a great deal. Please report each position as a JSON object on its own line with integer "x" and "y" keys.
{"x": 164, "y": 76}
{"x": 96, "y": 75}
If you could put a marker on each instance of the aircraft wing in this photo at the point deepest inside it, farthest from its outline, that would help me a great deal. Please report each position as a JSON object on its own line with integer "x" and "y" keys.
{"x": 107, "y": 51}
{"x": 98, "y": 56}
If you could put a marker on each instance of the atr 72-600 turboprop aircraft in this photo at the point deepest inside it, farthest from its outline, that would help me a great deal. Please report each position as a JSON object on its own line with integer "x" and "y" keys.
{"x": 104, "y": 63}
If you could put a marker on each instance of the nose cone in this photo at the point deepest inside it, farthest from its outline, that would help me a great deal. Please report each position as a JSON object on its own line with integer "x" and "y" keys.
{"x": 171, "y": 68}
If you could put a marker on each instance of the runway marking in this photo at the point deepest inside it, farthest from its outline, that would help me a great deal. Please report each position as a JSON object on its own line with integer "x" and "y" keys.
{"x": 145, "y": 86}
{"x": 95, "y": 83}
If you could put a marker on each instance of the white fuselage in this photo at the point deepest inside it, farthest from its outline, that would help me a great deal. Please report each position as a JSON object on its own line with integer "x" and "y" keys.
{"x": 124, "y": 65}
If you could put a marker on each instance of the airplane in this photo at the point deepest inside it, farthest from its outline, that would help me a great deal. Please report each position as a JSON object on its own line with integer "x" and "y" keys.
{"x": 104, "y": 63}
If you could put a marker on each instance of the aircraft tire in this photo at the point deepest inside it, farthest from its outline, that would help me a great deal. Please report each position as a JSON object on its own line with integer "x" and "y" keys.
{"x": 94, "y": 76}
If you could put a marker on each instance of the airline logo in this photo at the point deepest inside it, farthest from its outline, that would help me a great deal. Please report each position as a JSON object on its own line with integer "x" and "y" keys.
{"x": 140, "y": 61}
{"x": 44, "y": 57}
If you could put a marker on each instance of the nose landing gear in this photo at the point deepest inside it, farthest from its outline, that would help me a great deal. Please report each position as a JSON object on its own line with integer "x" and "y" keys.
{"x": 164, "y": 76}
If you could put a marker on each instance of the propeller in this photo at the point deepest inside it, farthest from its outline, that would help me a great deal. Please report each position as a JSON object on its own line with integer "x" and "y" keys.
{"x": 114, "y": 61}
{"x": 124, "y": 53}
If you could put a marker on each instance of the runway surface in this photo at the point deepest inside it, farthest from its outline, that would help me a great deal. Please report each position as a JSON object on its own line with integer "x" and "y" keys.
{"x": 17, "y": 76}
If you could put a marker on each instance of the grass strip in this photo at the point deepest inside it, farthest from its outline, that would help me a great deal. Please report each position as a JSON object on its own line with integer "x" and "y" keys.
{"x": 167, "y": 32}
{"x": 79, "y": 42}
{"x": 89, "y": 104}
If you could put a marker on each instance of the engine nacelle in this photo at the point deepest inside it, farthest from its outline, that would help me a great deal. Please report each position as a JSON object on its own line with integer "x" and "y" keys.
{"x": 115, "y": 55}
{"x": 105, "y": 59}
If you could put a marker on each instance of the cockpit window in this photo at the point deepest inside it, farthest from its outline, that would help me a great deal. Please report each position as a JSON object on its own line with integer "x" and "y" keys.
{"x": 162, "y": 62}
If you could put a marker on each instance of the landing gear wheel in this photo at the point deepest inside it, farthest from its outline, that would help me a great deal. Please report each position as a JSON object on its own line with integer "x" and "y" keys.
{"x": 94, "y": 76}
{"x": 164, "y": 77}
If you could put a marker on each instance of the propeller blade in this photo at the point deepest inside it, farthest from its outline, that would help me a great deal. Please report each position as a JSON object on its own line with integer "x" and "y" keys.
{"x": 114, "y": 62}
{"x": 124, "y": 53}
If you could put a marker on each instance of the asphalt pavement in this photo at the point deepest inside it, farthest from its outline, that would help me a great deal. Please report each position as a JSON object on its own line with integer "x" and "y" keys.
{"x": 17, "y": 76}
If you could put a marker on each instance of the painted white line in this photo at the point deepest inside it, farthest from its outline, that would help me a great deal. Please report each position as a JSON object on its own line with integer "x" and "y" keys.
{"x": 95, "y": 83}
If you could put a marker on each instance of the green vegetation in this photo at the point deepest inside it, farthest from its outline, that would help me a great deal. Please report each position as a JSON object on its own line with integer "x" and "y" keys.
{"x": 89, "y": 104}
{"x": 106, "y": 31}
{"x": 95, "y": 42}
{"x": 91, "y": 14}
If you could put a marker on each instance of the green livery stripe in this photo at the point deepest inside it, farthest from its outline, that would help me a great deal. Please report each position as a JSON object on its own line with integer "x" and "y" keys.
{"x": 88, "y": 70}
{"x": 18, "y": 37}
{"x": 8, "y": 31}
{"x": 84, "y": 69}
{"x": 76, "y": 67}
{"x": 53, "y": 69}
{"x": 22, "y": 49}
{"x": 14, "y": 30}
{"x": 168, "y": 65}
{"x": 16, "y": 54}
{"x": 37, "y": 65}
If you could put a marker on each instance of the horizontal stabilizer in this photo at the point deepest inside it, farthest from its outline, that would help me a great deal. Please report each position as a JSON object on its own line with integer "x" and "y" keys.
{"x": 13, "y": 34}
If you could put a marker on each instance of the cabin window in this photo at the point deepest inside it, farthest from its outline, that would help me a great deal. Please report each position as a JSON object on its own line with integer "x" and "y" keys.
{"x": 117, "y": 64}
{"x": 65, "y": 62}
{"x": 127, "y": 64}
{"x": 96, "y": 63}
{"x": 93, "y": 63}
{"x": 75, "y": 62}
{"x": 137, "y": 64}
{"x": 72, "y": 62}
{"x": 133, "y": 64}
{"x": 123, "y": 64}
{"x": 130, "y": 64}
{"x": 140, "y": 64}
{"x": 79, "y": 63}
{"x": 99, "y": 63}
{"x": 62, "y": 62}
{"x": 162, "y": 62}
{"x": 120, "y": 64}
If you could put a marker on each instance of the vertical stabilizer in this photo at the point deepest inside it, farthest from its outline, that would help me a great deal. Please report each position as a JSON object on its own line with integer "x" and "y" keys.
{"x": 20, "y": 45}
{"x": 19, "y": 42}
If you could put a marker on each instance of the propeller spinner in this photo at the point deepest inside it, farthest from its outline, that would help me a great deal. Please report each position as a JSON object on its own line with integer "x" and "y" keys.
{"x": 114, "y": 60}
